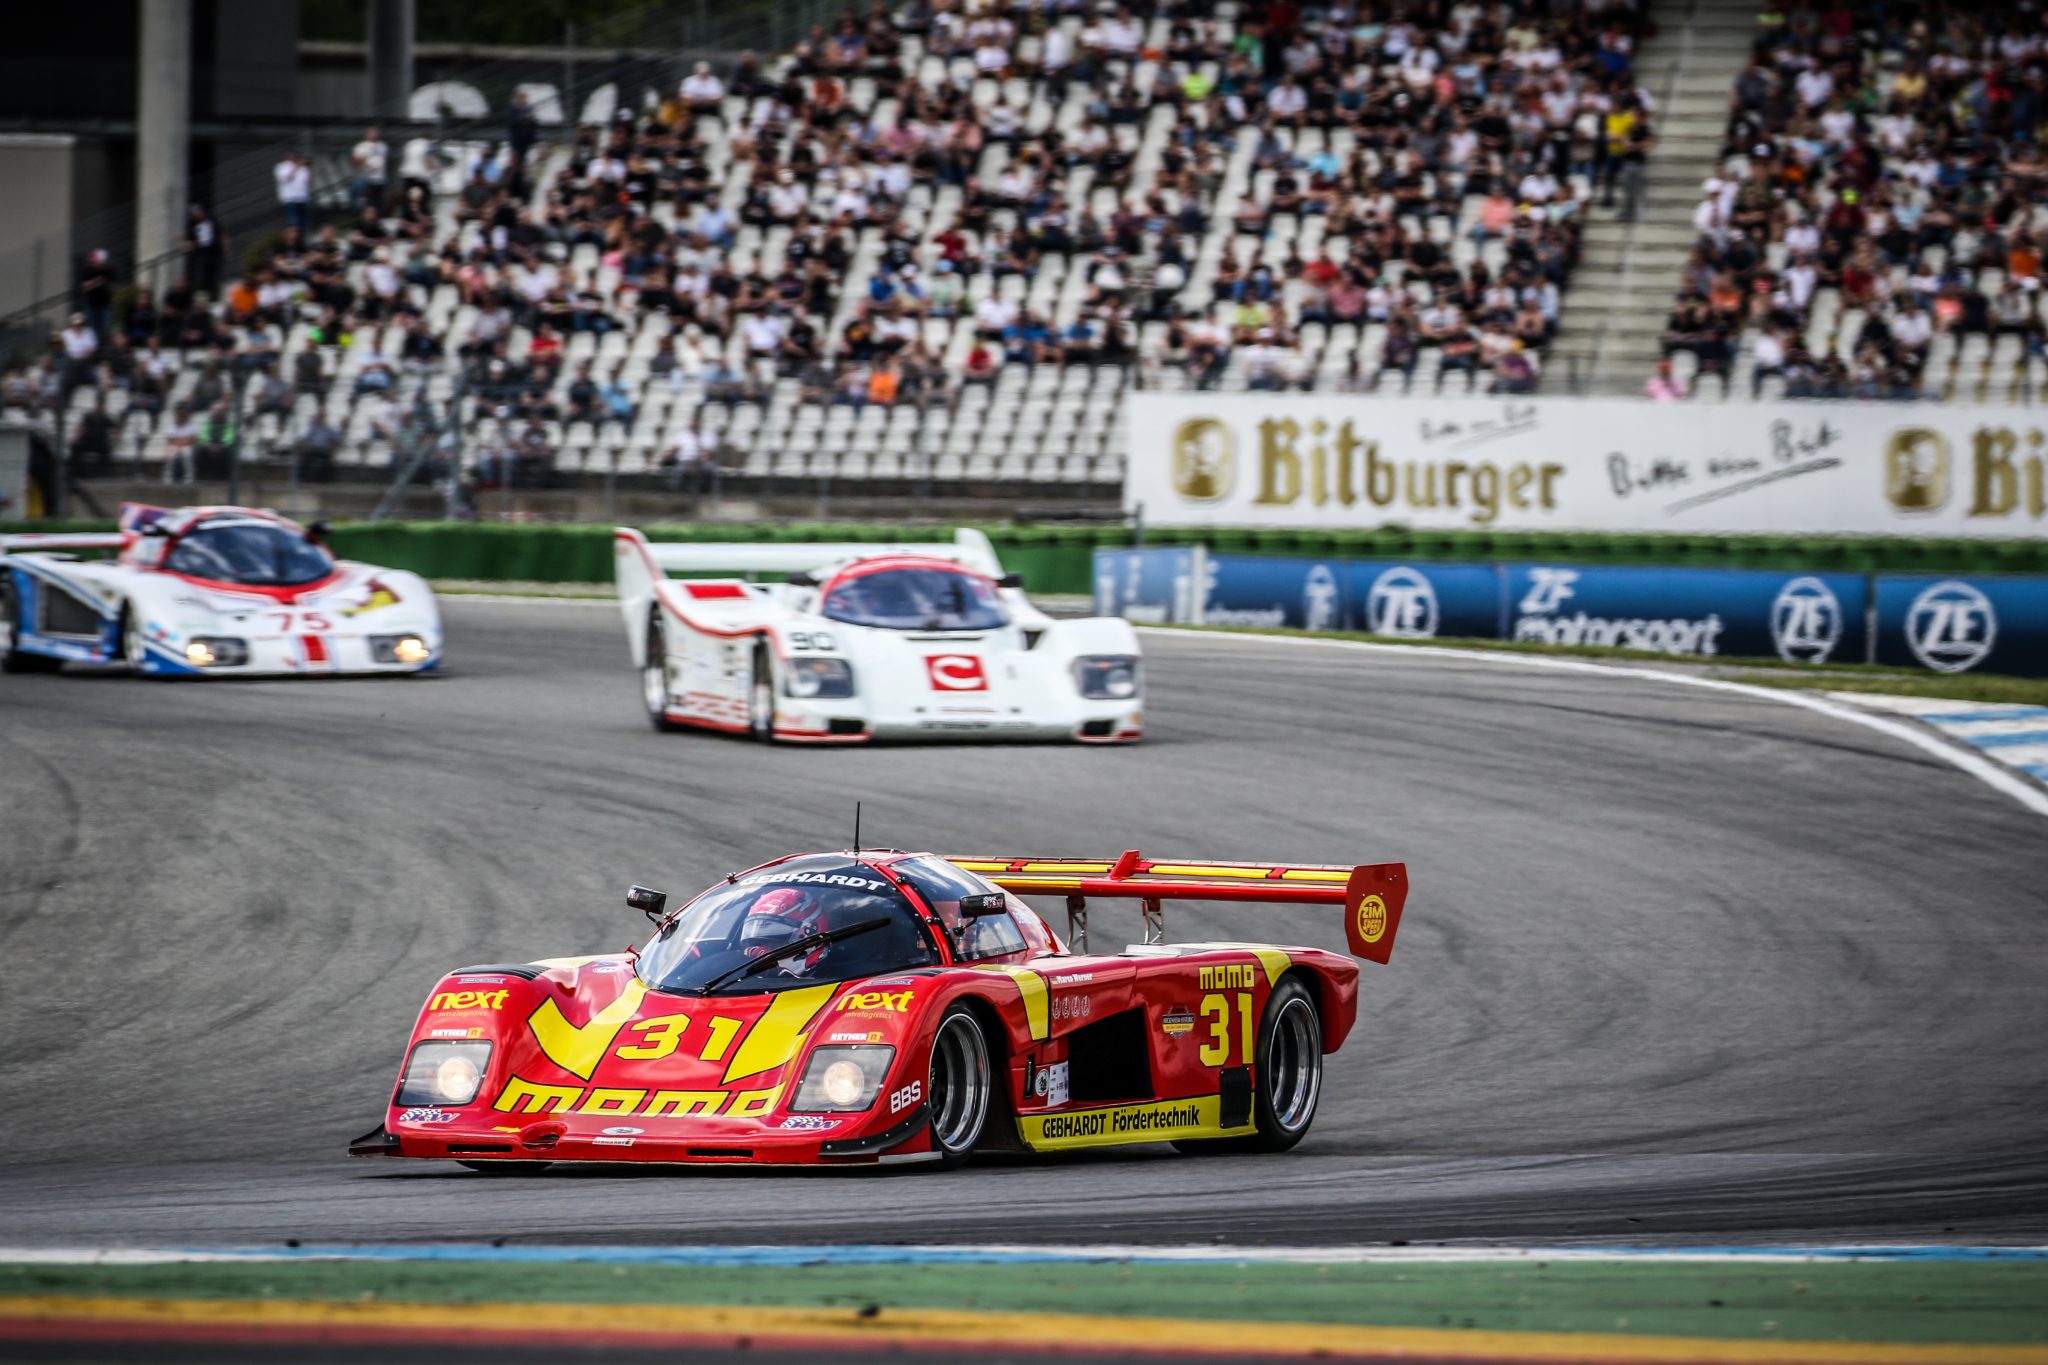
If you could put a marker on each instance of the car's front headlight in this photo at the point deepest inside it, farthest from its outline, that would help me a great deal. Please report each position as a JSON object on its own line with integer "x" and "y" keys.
{"x": 819, "y": 678}
{"x": 215, "y": 651}
{"x": 444, "y": 1073}
{"x": 399, "y": 649}
{"x": 842, "y": 1080}
{"x": 1107, "y": 677}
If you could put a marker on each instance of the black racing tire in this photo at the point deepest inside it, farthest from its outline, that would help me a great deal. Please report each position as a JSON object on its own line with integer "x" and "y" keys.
{"x": 132, "y": 647}
{"x": 654, "y": 677}
{"x": 13, "y": 659}
{"x": 1287, "y": 1077}
{"x": 505, "y": 1168}
{"x": 761, "y": 695}
{"x": 960, "y": 1085}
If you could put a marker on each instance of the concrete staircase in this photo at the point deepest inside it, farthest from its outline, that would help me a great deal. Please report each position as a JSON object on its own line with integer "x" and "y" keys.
{"x": 1621, "y": 294}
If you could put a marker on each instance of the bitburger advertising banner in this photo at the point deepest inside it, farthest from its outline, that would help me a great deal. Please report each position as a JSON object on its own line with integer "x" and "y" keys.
{"x": 1326, "y": 462}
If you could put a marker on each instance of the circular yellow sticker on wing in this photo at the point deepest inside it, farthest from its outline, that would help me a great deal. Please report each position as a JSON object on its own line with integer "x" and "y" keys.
{"x": 1372, "y": 919}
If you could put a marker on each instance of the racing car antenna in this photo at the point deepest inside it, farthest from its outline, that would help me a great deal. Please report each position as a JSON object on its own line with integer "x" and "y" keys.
{"x": 856, "y": 828}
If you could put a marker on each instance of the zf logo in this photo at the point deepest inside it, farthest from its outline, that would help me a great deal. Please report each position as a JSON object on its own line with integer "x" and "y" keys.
{"x": 907, "y": 1096}
{"x": 1548, "y": 589}
{"x": 1319, "y": 599}
{"x": 1951, "y": 627}
{"x": 1806, "y": 621}
{"x": 956, "y": 673}
{"x": 1401, "y": 603}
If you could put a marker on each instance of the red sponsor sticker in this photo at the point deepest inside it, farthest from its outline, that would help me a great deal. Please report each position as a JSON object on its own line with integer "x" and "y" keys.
{"x": 956, "y": 673}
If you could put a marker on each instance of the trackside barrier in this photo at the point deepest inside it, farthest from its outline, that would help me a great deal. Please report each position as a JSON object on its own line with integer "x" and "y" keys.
{"x": 1056, "y": 558}
{"x": 1947, "y": 622}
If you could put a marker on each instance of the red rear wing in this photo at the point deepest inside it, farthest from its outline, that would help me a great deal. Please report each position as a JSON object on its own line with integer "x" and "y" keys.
{"x": 1372, "y": 894}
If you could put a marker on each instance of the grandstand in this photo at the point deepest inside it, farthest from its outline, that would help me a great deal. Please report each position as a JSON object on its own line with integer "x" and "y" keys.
{"x": 935, "y": 244}
{"x": 1869, "y": 225}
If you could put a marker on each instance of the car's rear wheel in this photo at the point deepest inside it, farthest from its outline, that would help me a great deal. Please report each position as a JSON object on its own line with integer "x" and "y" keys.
{"x": 506, "y": 1167}
{"x": 1287, "y": 1076}
{"x": 654, "y": 677}
{"x": 13, "y": 659}
{"x": 761, "y": 697}
{"x": 960, "y": 1086}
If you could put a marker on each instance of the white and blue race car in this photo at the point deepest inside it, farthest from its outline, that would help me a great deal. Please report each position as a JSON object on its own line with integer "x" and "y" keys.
{"x": 209, "y": 592}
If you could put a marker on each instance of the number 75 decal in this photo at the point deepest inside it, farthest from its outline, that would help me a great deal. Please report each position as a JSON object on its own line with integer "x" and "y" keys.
{"x": 311, "y": 621}
{"x": 1216, "y": 1011}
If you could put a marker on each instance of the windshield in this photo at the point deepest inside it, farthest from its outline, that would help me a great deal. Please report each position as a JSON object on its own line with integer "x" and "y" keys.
{"x": 916, "y": 599}
{"x": 736, "y": 923}
{"x": 259, "y": 553}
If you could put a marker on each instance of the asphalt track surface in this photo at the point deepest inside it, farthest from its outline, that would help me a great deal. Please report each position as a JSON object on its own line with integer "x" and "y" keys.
{"x": 1677, "y": 967}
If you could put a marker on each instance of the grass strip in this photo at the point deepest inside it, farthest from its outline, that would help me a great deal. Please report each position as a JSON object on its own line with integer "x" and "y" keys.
{"x": 1941, "y": 1302}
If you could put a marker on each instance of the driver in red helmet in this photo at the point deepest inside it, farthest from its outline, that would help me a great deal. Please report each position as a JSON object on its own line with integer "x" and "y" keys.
{"x": 784, "y": 915}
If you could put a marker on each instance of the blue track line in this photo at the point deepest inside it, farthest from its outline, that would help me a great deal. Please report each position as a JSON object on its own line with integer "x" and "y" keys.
{"x": 2007, "y": 741}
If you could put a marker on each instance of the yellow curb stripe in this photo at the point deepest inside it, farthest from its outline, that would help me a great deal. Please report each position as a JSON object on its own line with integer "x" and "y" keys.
{"x": 1012, "y": 1329}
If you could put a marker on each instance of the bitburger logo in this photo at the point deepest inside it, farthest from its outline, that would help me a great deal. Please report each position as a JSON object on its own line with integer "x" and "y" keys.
{"x": 1916, "y": 470}
{"x": 1204, "y": 460}
{"x": 1372, "y": 919}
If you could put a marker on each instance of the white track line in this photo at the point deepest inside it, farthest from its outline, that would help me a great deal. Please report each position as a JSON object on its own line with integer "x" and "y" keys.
{"x": 998, "y": 1253}
{"x": 1985, "y": 771}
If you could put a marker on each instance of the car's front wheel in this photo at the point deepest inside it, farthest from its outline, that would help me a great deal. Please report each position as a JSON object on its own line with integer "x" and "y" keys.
{"x": 960, "y": 1086}
{"x": 13, "y": 659}
{"x": 654, "y": 676}
{"x": 134, "y": 648}
{"x": 761, "y": 697}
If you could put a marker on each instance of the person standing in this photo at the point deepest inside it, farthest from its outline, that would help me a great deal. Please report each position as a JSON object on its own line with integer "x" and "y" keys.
{"x": 523, "y": 129}
{"x": 1635, "y": 158}
{"x": 204, "y": 251}
{"x": 295, "y": 192}
{"x": 179, "y": 439}
{"x": 372, "y": 161}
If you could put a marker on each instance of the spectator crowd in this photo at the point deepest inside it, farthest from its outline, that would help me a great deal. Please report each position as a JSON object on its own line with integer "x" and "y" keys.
{"x": 1875, "y": 223}
{"x": 946, "y": 208}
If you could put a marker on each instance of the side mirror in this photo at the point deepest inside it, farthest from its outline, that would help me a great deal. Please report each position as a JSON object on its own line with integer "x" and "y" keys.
{"x": 647, "y": 901}
{"x": 979, "y": 907}
{"x": 154, "y": 528}
{"x": 1010, "y": 580}
{"x": 319, "y": 531}
{"x": 802, "y": 579}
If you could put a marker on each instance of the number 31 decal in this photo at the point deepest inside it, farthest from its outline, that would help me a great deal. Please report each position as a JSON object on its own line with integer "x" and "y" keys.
{"x": 1217, "y": 1009}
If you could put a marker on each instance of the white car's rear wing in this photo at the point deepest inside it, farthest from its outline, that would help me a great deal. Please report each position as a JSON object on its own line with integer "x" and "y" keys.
{"x": 968, "y": 546}
{"x": 639, "y": 564}
{"x": 61, "y": 540}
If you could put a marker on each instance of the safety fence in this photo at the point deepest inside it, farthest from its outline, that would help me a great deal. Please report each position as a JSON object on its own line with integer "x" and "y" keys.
{"x": 1058, "y": 558}
{"x": 1950, "y": 622}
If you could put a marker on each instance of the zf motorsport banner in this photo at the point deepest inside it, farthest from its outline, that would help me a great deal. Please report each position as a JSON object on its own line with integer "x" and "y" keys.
{"x": 1947, "y": 624}
{"x": 1313, "y": 461}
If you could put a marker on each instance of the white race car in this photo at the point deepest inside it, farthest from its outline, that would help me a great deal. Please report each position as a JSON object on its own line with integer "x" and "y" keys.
{"x": 209, "y": 592}
{"x": 868, "y": 642}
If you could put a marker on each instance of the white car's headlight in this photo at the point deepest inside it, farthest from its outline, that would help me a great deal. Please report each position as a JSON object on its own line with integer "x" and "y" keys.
{"x": 819, "y": 678}
{"x": 842, "y": 1079}
{"x": 1107, "y": 677}
{"x": 444, "y": 1073}
{"x": 399, "y": 649}
{"x": 214, "y": 651}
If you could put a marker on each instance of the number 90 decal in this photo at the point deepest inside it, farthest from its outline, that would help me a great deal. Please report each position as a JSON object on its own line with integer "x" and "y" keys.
{"x": 811, "y": 639}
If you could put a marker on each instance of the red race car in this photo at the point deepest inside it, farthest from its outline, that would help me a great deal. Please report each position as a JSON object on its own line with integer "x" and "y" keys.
{"x": 844, "y": 1008}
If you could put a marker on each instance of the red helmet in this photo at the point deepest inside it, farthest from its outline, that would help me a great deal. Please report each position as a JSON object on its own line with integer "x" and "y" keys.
{"x": 780, "y": 916}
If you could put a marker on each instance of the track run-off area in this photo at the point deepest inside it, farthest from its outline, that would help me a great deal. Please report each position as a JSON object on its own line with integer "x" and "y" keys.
{"x": 1682, "y": 967}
